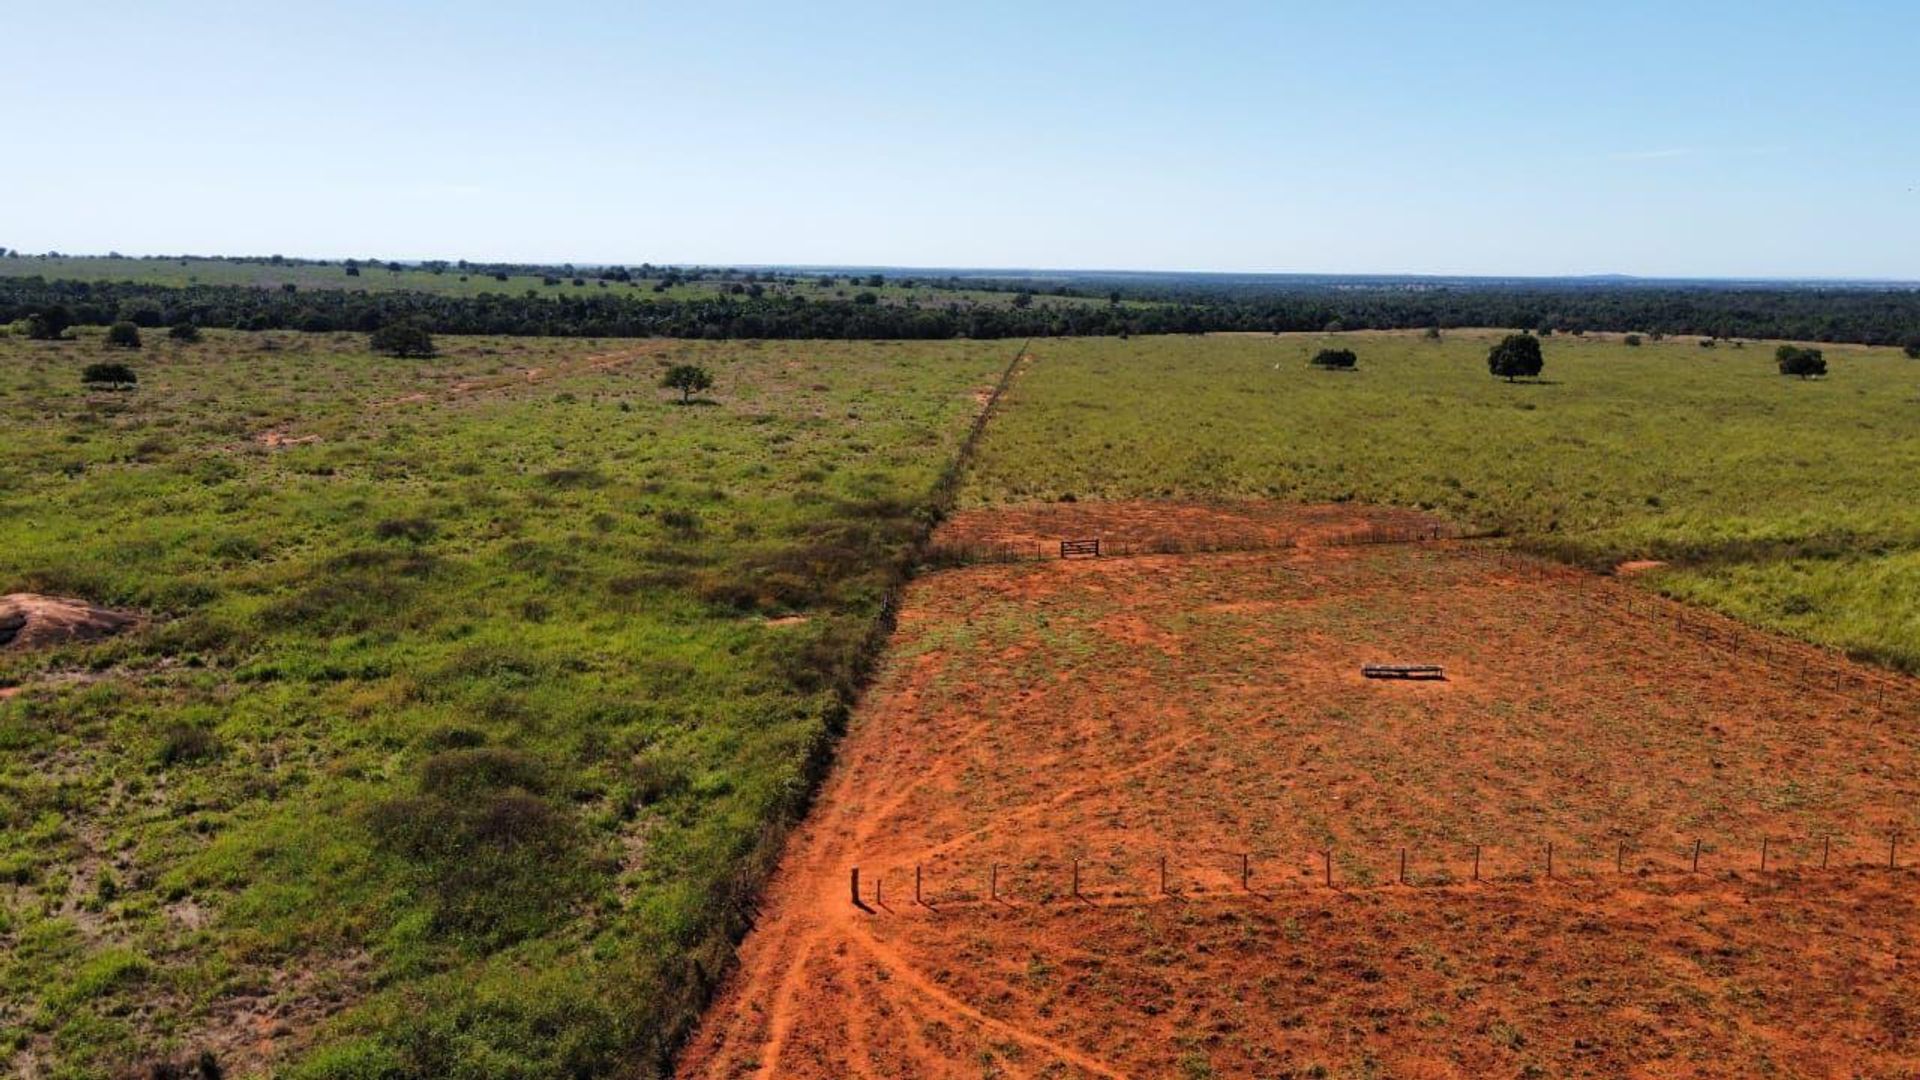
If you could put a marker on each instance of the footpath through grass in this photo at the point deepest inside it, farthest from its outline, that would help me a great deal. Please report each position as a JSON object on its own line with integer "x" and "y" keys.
{"x": 1792, "y": 503}
{"x": 473, "y": 694}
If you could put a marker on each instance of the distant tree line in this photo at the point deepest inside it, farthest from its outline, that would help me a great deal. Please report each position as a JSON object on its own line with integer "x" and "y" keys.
{"x": 1864, "y": 315}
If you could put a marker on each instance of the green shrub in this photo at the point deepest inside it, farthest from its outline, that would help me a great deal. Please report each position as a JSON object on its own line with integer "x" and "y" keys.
{"x": 1805, "y": 363}
{"x": 123, "y": 335}
{"x": 184, "y": 744}
{"x": 1335, "y": 359}
{"x": 405, "y": 339}
{"x": 109, "y": 375}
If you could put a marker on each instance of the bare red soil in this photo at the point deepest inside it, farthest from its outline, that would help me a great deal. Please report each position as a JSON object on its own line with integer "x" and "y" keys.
{"x": 1048, "y": 723}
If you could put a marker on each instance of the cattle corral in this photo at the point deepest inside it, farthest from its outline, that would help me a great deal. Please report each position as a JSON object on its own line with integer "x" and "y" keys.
{"x": 1147, "y": 817}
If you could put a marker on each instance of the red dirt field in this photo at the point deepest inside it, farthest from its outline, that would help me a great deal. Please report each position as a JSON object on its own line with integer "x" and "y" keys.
{"x": 1047, "y": 719}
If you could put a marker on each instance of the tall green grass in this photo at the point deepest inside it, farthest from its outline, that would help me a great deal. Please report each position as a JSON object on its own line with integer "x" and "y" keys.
{"x": 1791, "y": 502}
{"x": 465, "y": 730}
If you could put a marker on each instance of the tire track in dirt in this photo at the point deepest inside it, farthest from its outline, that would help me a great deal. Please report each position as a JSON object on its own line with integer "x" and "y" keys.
{"x": 953, "y": 1007}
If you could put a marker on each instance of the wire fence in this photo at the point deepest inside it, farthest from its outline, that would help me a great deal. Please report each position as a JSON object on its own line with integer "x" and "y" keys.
{"x": 951, "y": 553}
{"x": 1109, "y": 881}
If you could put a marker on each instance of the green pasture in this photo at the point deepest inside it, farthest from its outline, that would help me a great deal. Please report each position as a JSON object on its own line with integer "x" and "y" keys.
{"x": 1793, "y": 503}
{"x": 455, "y": 730}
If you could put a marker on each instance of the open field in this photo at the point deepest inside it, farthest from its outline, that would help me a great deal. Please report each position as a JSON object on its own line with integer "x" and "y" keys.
{"x": 453, "y": 281}
{"x": 466, "y": 693}
{"x": 1053, "y": 722}
{"x": 1790, "y": 503}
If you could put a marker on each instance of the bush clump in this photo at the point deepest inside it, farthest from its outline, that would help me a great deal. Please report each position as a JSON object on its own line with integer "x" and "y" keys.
{"x": 1335, "y": 359}
{"x": 405, "y": 339}
{"x": 1805, "y": 363}
{"x": 184, "y": 744}
{"x": 500, "y": 861}
{"x": 123, "y": 335}
{"x": 113, "y": 375}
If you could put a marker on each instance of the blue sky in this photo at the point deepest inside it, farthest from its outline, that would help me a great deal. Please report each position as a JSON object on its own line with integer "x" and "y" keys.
{"x": 1678, "y": 138}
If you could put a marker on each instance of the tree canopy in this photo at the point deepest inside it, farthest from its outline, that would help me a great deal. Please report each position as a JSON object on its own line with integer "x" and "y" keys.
{"x": 689, "y": 379}
{"x": 1516, "y": 357}
{"x": 1803, "y": 362}
{"x": 1342, "y": 359}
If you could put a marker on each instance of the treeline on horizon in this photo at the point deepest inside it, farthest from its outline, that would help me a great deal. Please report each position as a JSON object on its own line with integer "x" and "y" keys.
{"x": 1862, "y": 316}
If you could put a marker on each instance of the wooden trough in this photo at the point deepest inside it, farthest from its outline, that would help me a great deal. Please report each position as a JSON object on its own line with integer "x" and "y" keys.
{"x": 1403, "y": 671}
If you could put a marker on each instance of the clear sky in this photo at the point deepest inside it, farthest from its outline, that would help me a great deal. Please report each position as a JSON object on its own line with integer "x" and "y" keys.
{"x": 1671, "y": 138}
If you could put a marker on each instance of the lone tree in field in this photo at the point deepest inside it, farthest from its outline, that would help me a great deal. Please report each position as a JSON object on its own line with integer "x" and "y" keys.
{"x": 186, "y": 331}
{"x": 403, "y": 339}
{"x": 1912, "y": 348}
{"x": 1516, "y": 357}
{"x": 1806, "y": 363}
{"x": 1335, "y": 359}
{"x": 689, "y": 379}
{"x": 111, "y": 376}
{"x": 123, "y": 335}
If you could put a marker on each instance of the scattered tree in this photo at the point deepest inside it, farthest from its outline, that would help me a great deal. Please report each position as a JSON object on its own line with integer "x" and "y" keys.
{"x": 406, "y": 339}
{"x": 1516, "y": 357}
{"x": 689, "y": 379}
{"x": 186, "y": 330}
{"x": 1338, "y": 359}
{"x": 123, "y": 335}
{"x": 1912, "y": 348}
{"x": 1806, "y": 363}
{"x": 112, "y": 375}
{"x": 1632, "y": 340}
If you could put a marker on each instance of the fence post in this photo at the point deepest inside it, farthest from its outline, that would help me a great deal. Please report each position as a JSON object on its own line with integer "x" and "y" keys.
{"x": 1696, "y": 855}
{"x": 1892, "y": 839}
{"x": 1620, "y": 860}
{"x": 1246, "y": 872}
{"x": 1549, "y": 860}
{"x": 1328, "y": 856}
{"x": 1763, "y": 854}
{"x": 1403, "y": 866}
{"x": 1476, "y": 862}
{"x": 1826, "y": 849}
{"x": 993, "y": 881}
{"x": 1076, "y": 880}
{"x": 855, "y": 886}
{"x": 916, "y": 885}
